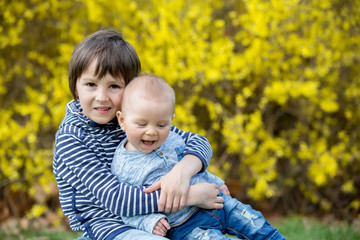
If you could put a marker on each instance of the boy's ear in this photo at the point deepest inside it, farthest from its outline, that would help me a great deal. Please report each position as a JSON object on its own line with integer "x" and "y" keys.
{"x": 120, "y": 119}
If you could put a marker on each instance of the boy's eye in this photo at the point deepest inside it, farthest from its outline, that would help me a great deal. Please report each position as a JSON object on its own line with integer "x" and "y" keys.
{"x": 114, "y": 86}
{"x": 90, "y": 84}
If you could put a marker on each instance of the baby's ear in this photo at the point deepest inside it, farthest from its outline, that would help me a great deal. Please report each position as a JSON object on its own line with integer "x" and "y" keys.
{"x": 120, "y": 119}
{"x": 173, "y": 116}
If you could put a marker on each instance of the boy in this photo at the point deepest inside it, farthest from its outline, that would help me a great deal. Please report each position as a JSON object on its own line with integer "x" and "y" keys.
{"x": 150, "y": 151}
{"x": 91, "y": 197}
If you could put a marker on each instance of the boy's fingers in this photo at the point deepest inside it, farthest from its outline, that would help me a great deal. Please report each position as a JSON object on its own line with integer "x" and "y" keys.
{"x": 224, "y": 189}
{"x": 162, "y": 202}
{"x": 219, "y": 203}
{"x": 168, "y": 202}
{"x": 182, "y": 203}
{"x": 175, "y": 204}
{"x": 153, "y": 187}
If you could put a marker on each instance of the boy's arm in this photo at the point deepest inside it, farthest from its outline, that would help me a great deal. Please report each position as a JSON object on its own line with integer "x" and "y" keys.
{"x": 196, "y": 145}
{"x": 78, "y": 165}
{"x": 211, "y": 178}
{"x": 175, "y": 185}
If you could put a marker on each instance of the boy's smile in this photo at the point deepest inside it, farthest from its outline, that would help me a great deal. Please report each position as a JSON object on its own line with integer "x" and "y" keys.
{"x": 100, "y": 99}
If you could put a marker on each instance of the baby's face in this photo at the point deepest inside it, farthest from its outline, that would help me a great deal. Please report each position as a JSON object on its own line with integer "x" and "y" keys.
{"x": 100, "y": 99}
{"x": 147, "y": 124}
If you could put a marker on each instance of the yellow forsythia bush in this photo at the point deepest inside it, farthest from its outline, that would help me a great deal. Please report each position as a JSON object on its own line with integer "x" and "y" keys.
{"x": 274, "y": 86}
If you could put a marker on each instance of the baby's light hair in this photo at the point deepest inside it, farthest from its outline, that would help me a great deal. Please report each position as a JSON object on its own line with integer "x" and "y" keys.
{"x": 151, "y": 87}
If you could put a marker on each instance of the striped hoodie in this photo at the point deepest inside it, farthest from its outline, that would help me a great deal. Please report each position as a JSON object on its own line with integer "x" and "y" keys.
{"x": 90, "y": 196}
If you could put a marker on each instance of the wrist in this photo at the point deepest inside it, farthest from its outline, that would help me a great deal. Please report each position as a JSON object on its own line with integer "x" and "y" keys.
{"x": 191, "y": 200}
{"x": 190, "y": 165}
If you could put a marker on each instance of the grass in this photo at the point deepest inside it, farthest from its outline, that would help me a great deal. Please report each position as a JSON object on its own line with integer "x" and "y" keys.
{"x": 37, "y": 234}
{"x": 301, "y": 228}
{"x": 293, "y": 228}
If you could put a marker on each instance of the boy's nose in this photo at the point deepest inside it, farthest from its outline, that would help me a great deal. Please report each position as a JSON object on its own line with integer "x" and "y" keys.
{"x": 101, "y": 96}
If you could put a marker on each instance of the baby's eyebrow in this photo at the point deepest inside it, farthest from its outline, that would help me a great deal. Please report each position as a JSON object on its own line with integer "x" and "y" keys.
{"x": 140, "y": 120}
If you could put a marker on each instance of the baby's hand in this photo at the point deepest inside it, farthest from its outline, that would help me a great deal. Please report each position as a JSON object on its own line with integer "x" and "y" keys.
{"x": 161, "y": 227}
{"x": 224, "y": 189}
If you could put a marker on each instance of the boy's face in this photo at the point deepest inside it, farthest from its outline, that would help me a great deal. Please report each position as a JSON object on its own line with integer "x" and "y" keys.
{"x": 147, "y": 124}
{"x": 100, "y": 99}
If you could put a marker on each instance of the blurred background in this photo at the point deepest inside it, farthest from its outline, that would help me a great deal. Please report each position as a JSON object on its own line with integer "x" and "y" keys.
{"x": 273, "y": 84}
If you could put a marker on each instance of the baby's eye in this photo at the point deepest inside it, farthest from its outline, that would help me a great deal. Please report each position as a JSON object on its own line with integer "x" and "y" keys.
{"x": 162, "y": 125}
{"x": 141, "y": 124}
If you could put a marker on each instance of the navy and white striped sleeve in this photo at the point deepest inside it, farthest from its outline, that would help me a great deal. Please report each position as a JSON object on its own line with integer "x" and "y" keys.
{"x": 196, "y": 145}
{"x": 77, "y": 163}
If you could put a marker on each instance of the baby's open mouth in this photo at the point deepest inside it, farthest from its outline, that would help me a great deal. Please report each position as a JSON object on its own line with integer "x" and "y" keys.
{"x": 147, "y": 142}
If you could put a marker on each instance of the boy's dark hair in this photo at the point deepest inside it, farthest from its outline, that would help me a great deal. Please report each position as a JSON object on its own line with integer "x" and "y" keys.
{"x": 114, "y": 56}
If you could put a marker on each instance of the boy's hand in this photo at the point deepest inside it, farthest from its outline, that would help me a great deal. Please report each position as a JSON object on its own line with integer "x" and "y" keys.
{"x": 175, "y": 185}
{"x": 224, "y": 189}
{"x": 205, "y": 195}
{"x": 174, "y": 189}
{"x": 161, "y": 227}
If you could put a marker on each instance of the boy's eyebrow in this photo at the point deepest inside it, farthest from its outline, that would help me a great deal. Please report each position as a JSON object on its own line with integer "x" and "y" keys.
{"x": 117, "y": 80}
{"x": 87, "y": 78}
{"x": 95, "y": 79}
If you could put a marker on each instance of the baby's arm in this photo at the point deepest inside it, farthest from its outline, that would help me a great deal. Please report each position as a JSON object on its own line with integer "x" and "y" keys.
{"x": 152, "y": 223}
